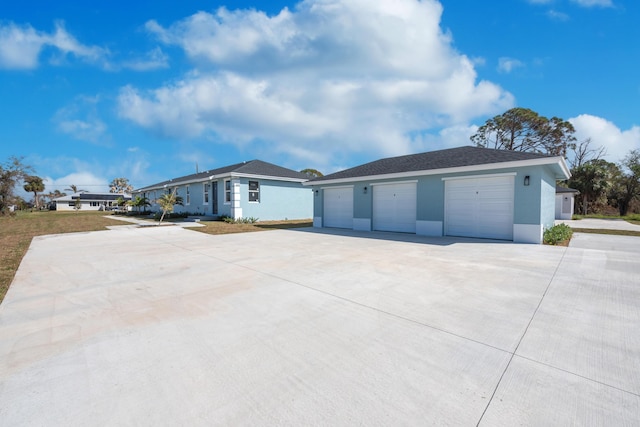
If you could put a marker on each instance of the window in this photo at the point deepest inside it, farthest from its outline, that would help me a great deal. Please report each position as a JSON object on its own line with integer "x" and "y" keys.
{"x": 205, "y": 193}
{"x": 188, "y": 195}
{"x": 72, "y": 204}
{"x": 254, "y": 191}
{"x": 94, "y": 204}
{"x": 227, "y": 191}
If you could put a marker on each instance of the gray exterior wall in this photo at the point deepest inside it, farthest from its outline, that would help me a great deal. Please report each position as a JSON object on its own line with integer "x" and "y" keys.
{"x": 534, "y": 205}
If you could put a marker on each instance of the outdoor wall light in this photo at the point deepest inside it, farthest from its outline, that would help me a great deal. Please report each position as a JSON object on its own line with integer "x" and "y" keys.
{"x": 316, "y": 193}
{"x": 526, "y": 180}
{"x": 364, "y": 190}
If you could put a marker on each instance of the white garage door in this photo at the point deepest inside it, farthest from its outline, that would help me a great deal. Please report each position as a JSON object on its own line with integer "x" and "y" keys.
{"x": 480, "y": 207}
{"x": 338, "y": 207}
{"x": 394, "y": 207}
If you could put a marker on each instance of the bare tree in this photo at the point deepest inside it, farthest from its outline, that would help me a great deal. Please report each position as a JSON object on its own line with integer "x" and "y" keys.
{"x": 585, "y": 152}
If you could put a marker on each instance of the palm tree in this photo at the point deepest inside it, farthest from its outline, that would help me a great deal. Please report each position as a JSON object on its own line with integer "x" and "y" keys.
{"x": 33, "y": 184}
{"x": 167, "y": 201}
{"x": 120, "y": 202}
{"x": 74, "y": 188}
{"x": 139, "y": 202}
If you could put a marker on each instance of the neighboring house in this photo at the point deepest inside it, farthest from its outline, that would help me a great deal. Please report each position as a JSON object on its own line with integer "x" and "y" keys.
{"x": 465, "y": 191}
{"x": 250, "y": 189}
{"x": 565, "y": 202}
{"x": 89, "y": 201}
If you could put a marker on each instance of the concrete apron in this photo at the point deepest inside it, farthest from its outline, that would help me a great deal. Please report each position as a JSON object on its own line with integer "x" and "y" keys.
{"x": 167, "y": 326}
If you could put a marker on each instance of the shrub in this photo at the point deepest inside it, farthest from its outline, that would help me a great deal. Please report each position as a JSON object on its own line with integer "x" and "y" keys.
{"x": 248, "y": 220}
{"x": 557, "y": 234}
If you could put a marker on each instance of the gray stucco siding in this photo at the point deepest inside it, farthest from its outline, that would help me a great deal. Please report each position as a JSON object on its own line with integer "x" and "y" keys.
{"x": 362, "y": 202}
{"x": 430, "y": 203}
{"x": 534, "y": 204}
{"x": 548, "y": 195}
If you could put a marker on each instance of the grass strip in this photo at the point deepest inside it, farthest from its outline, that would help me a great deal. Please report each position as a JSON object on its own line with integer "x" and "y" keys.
{"x": 605, "y": 231}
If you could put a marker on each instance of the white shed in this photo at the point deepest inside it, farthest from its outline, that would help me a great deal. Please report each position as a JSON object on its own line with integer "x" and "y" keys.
{"x": 565, "y": 201}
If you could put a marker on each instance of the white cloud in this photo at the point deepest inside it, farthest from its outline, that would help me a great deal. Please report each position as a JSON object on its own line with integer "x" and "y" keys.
{"x": 83, "y": 180}
{"x": 449, "y": 137}
{"x": 21, "y": 46}
{"x": 557, "y": 16}
{"x": 152, "y": 60}
{"x": 81, "y": 121}
{"x": 602, "y": 132}
{"x": 593, "y": 3}
{"x": 507, "y": 65}
{"x": 329, "y": 77}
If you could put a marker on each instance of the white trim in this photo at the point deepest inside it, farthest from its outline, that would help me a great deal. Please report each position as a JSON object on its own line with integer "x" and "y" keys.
{"x": 429, "y": 228}
{"x": 362, "y": 224}
{"x": 224, "y": 192}
{"x": 527, "y": 233}
{"x": 337, "y": 186}
{"x": 411, "y": 181}
{"x": 273, "y": 178}
{"x": 236, "y": 208}
{"x": 490, "y": 175}
{"x": 488, "y": 166}
{"x": 208, "y": 192}
{"x": 249, "y": 191}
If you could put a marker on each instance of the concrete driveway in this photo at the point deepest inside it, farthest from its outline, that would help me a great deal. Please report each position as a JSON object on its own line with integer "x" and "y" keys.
{"x": 166, "y": 326}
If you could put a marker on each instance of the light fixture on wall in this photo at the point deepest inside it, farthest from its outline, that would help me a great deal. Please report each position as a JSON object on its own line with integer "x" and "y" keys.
{"x": 364, "y": 190}
{"x": 316, "y": 193}
{"x": 526, "y": 180}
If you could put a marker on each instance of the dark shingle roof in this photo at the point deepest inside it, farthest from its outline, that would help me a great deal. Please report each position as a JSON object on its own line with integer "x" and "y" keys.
{"x": 252, "y": 167}
{"x": 442, "y": 159}
{"x": 565, "y": 190}
{"x": 93, "y": 196}
{"x": 102, "y": 196}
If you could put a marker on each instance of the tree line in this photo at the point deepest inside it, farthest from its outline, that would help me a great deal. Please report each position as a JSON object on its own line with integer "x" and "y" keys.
{"x": 15, "y": 171}
{"x": 604, "y": 186}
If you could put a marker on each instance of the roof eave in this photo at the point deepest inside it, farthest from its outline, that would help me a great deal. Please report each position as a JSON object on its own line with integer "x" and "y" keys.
{"x": 562, "y": 171}
{"x": 219, "y": 176}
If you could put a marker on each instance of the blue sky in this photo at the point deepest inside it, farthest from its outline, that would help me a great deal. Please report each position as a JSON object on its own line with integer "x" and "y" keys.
{"x": 146, "y": 89}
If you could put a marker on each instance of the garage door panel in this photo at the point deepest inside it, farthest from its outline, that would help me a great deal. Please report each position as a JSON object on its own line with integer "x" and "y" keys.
{"x": 338, "y": 207}
{"x": 480, "y": 207}
{"x": 394, "y": 207}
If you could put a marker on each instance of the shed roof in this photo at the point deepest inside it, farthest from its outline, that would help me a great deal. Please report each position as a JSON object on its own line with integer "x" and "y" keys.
{"x": 250, "y": 168}
{"x": 460, "y": 157}
{"x": 85, "y": 196}
{"x": 560, "y": 189}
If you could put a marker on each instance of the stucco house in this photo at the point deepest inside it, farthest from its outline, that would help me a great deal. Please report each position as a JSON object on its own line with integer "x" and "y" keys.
{"x": 465, "y": 191}
{"x": 565, "y": 202}
{"x": 89, "y": 201}
{"x": 249, "y": 189}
